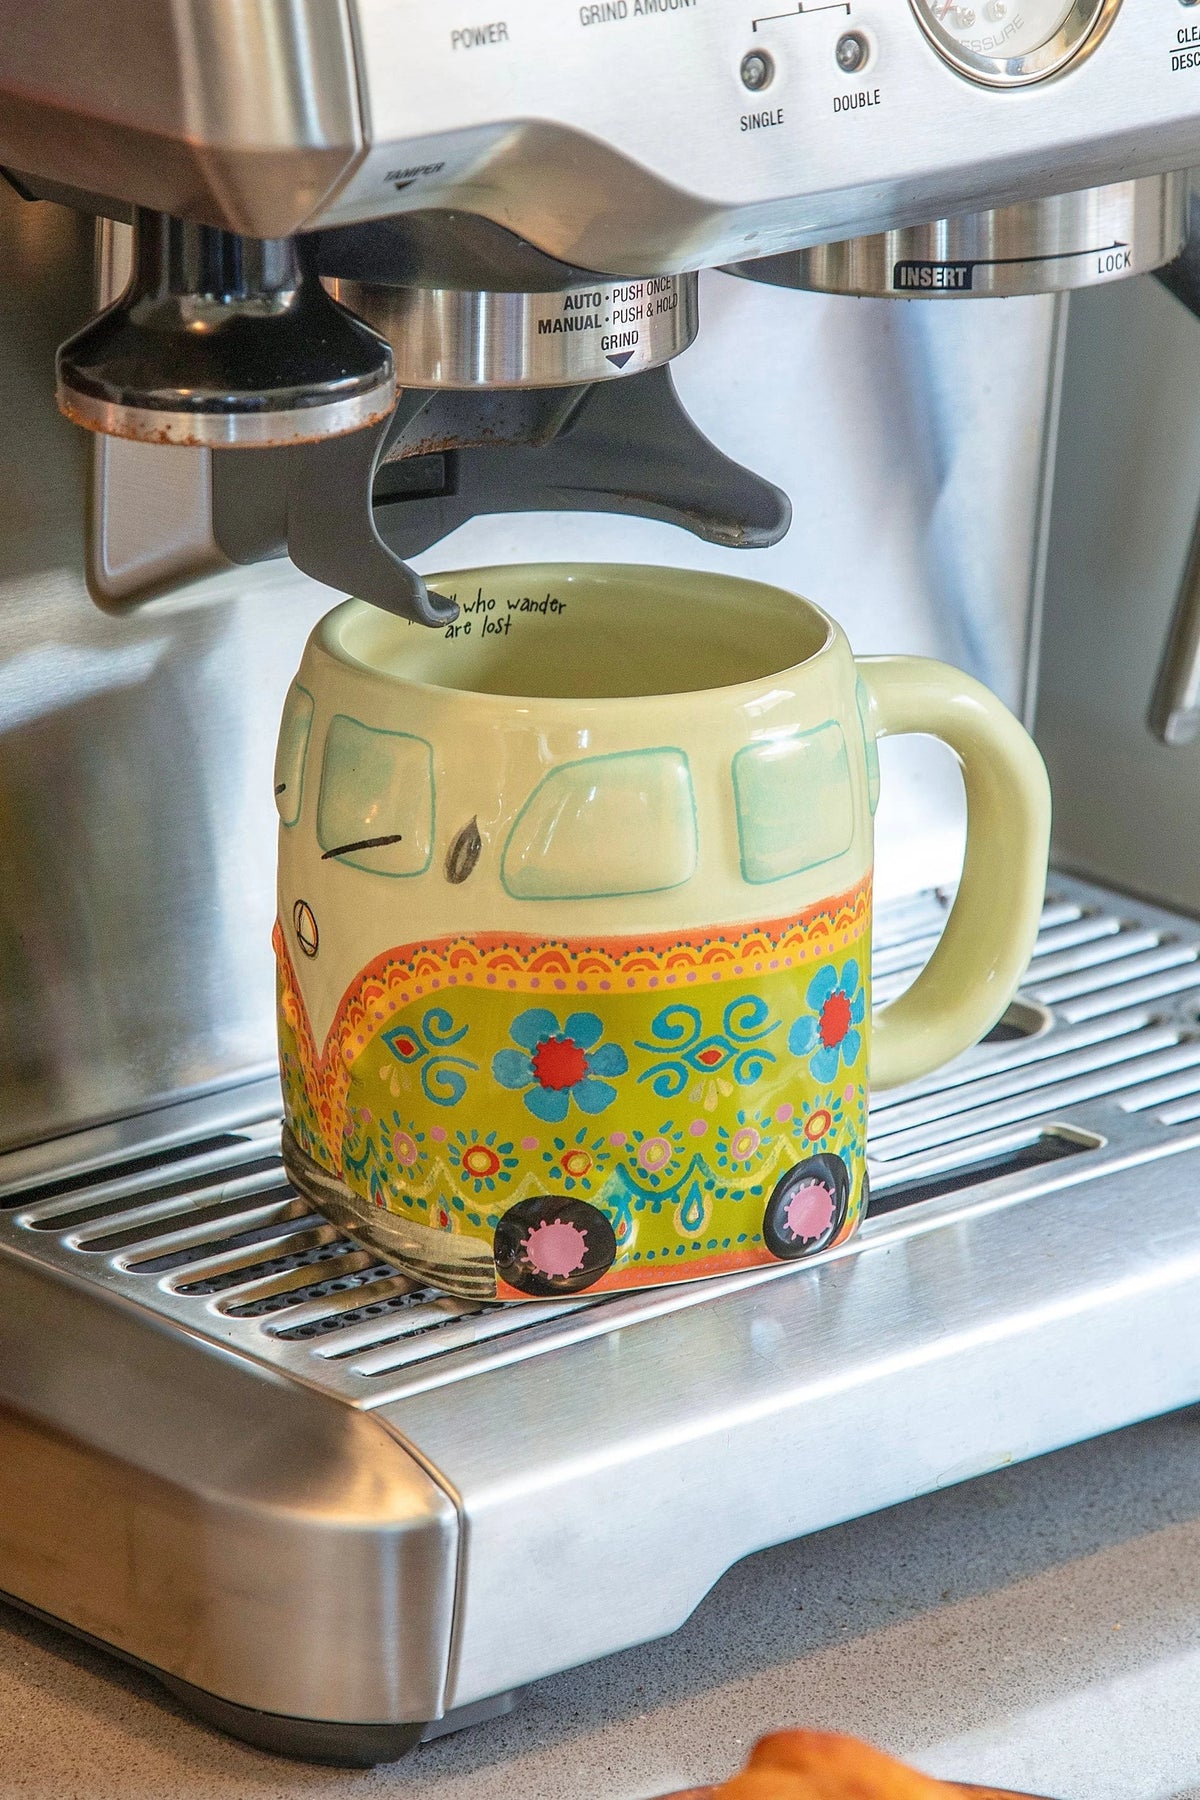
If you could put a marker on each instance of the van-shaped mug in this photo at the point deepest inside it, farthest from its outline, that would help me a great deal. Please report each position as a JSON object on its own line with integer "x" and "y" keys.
{"x": 575, "y": 924}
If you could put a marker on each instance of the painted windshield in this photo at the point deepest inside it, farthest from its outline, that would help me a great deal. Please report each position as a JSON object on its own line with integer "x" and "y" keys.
{"x": 605, "y": 826}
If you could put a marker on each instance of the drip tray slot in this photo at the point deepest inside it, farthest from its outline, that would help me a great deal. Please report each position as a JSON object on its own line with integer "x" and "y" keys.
{"x": 1034, "y": 1151}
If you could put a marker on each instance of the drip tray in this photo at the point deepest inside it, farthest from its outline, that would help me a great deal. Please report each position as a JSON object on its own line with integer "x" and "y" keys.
{"x": 307, "y": 1491}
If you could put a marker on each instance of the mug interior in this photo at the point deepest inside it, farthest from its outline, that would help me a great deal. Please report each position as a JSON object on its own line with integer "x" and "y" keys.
{"x": 592, "y": 632}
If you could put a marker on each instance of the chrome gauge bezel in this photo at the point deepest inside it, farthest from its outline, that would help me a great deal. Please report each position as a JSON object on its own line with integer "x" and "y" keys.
{"x": 1080, "y": 32}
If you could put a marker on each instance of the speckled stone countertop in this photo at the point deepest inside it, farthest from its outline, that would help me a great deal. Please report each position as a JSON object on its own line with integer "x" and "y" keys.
{"x": 1039, "y": 1629}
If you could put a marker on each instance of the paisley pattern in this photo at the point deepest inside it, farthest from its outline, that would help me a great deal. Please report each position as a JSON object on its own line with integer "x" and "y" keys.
{"x": 679, "y": 1037}
{"x": 443, "y": 1077}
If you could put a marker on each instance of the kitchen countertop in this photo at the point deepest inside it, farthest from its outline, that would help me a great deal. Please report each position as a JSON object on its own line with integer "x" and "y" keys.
{"x": 1038, "y": 1628}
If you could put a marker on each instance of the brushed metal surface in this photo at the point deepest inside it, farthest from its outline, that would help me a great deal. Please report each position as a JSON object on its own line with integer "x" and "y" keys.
{"x": 251, "y": 117}
{"x": 237, "y": 112}
{"x": 136, "y": 823}
{"x": 242, "y": 1533}
{"x": 1077, "y": 35}
{"x": 925, "y": 1360}
{"x": 453, "y": 338}
{"x": 226, "y": 431}
{"x": 1174, "y": 710}
{"x": 149, "y": 515}
{"x": 575, "y": 105}
{"x": 1122, "y": 525}
{"x": 190, "y": 1353}
{"x": 1034, "y": 247}
{"x": 1104, "y": 1060}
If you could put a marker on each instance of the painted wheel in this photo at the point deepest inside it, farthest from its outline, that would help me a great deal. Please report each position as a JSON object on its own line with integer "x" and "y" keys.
{"x": 546, "y": 1247}
{"x": 807, "y": 1208}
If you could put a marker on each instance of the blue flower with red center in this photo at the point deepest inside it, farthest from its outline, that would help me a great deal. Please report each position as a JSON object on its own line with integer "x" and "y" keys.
{"x": 831, "y": 1031}
{"x": 560, "y": 1063}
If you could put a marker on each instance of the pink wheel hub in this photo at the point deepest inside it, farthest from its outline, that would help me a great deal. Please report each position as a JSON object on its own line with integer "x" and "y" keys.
{"x": 809, "y": 1211}
{"x": 556, "y": 1247}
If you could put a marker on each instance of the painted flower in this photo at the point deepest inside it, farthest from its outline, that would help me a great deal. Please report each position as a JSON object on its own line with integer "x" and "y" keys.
{"x": 356, "y": 1116}
{"x": 560, "y": 1063}
{"x": 404, "y": 1148}
{"x": 406, "y": 1143}
{"x": 820, "y": 1118}
{"x": 481, "y": 1162}
{"x": 738, "y": 1145}
{"x": 577, "y": 1162}
{"x": 654, "y": 1155}
{"x": 830, "y": 1032}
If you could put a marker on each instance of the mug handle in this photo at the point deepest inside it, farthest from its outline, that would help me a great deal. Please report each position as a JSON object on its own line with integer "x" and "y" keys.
{"x": 993, "y": 925}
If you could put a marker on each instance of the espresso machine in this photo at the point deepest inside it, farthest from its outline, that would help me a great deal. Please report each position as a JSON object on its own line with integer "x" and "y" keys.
{"x": 341, "y": 290}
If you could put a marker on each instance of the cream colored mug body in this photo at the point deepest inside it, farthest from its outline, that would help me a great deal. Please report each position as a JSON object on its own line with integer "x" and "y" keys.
{"x": 575, "y": 922}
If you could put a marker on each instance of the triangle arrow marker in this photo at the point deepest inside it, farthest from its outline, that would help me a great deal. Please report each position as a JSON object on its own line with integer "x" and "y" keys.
{"x": 619, "y": 361}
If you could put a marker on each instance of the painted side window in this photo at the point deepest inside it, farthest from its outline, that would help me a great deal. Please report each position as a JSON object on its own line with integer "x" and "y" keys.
{"x": 291, "y": 753}
{"x": 864, "y": 716}
{"x": 377, "y": 803}
{"x": 605, "y": 826}
{"x": 795, "y": 803}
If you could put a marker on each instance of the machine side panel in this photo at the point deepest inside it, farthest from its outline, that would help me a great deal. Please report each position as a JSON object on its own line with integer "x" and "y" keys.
{"x": 606, "y": 1488}
{"x": 1126, "y": 497}
{"x": 224, "y": 1525}
{"x": 241, "y": 112}
{"x": 137, "y": 829}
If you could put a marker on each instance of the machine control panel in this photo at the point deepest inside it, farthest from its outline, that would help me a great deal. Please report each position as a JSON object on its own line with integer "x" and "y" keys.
{"x": 1009, "y": 43}
{"x": 626, "y": 138}
{"x": 638, "y": 135}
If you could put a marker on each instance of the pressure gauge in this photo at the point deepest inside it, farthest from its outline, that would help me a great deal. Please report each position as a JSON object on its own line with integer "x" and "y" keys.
{"x": 1008, "y": 43}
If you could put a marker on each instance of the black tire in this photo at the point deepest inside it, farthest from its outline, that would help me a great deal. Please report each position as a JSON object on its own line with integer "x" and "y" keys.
{"x": 528, "y": 1266}
{"x": 779, "y": 1231}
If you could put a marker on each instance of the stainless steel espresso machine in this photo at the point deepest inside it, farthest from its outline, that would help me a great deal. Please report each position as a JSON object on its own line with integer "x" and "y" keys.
{"x": 378, "y": 277}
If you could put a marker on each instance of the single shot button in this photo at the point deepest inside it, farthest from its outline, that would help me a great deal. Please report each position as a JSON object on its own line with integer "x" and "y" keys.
{"x": 757, "y": 70}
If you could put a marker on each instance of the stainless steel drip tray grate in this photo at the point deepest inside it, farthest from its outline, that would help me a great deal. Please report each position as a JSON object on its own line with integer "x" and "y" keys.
{"x": 1096, "y": 1066}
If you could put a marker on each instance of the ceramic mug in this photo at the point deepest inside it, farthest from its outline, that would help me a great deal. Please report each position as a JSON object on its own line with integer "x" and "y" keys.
{"x": 575, "y": 923}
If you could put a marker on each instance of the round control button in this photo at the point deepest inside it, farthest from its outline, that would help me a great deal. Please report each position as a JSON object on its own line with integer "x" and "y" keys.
{"x": 757, "y": 70}
{"x": 852, "y": 52}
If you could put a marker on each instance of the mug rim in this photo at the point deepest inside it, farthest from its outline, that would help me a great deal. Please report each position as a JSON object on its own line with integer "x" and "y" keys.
{"x": 327, "y": 636}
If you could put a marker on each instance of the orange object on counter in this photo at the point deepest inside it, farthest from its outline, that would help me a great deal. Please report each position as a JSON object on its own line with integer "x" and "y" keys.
{"x": 821, "y": 1765}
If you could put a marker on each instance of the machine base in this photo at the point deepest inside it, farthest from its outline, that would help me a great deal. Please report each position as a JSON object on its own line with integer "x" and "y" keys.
{"x": 336, "y": 1743}
{"x": 324, "y": 1488}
